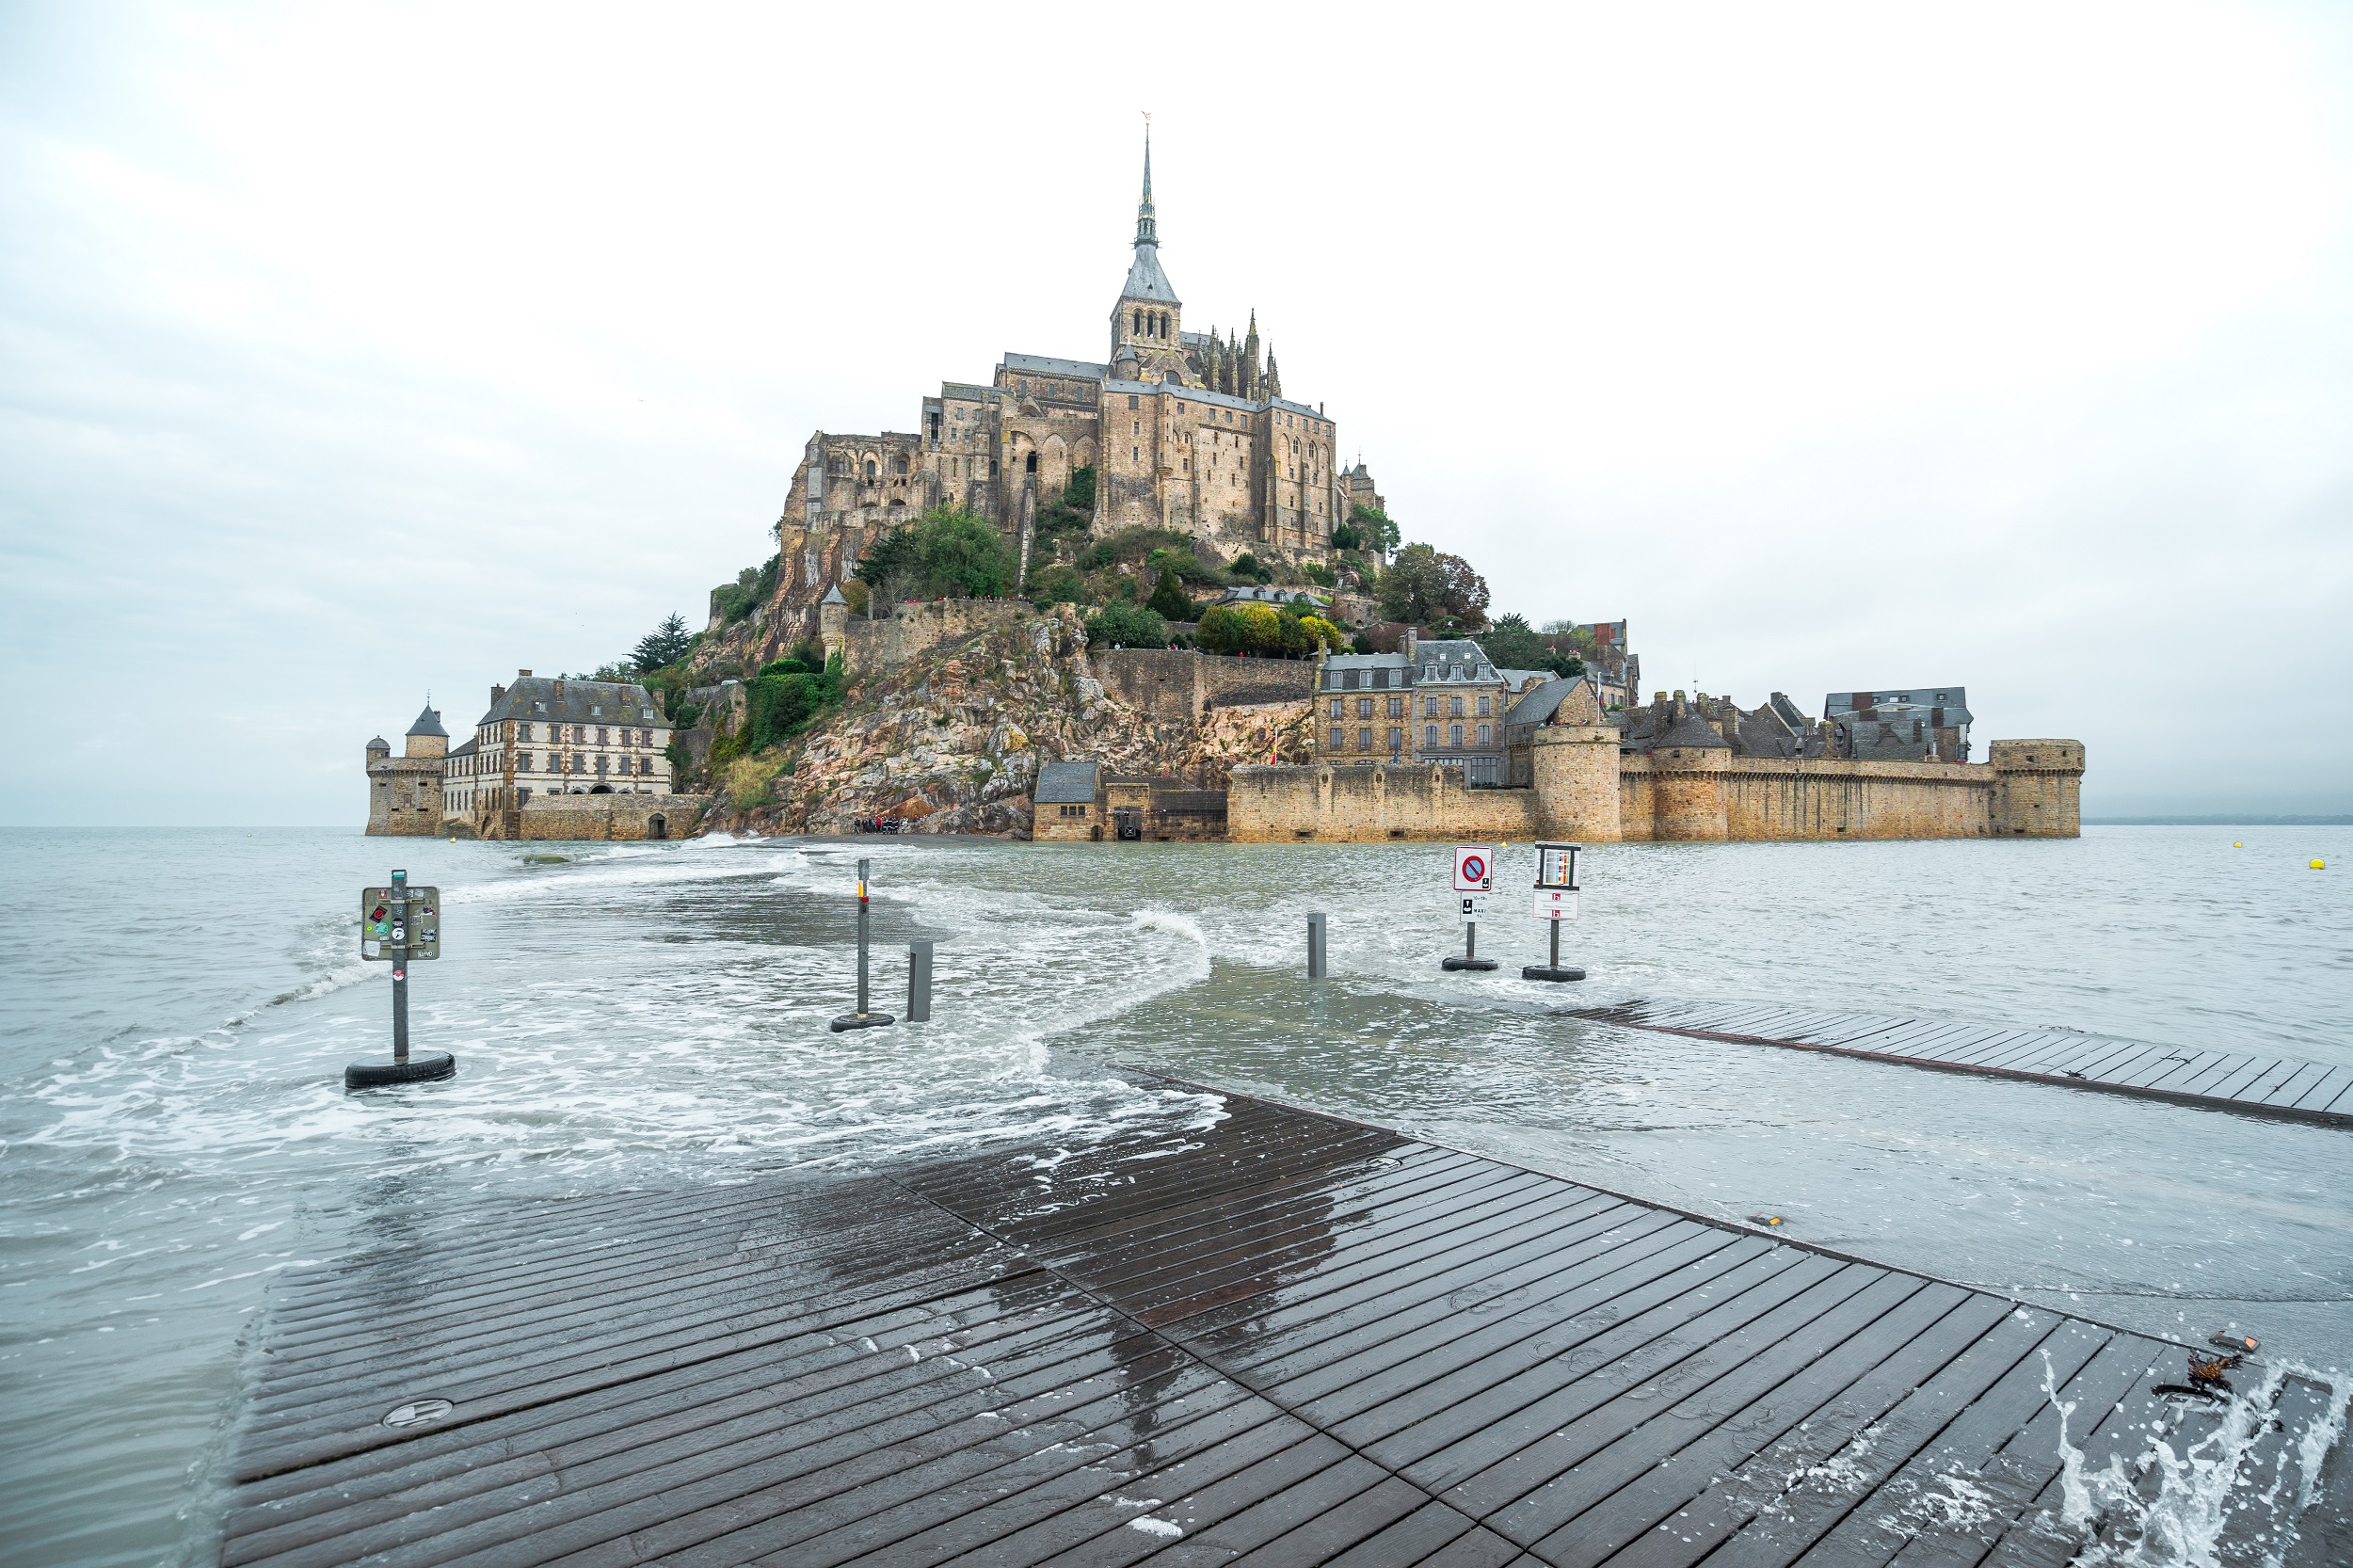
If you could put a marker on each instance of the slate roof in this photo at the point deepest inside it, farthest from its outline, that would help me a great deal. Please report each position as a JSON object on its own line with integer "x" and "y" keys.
{"x": 429, "y": 723}
{"x": 1044, "y": 364}
{"x": 1254, "y": 594}
{"x": 1693, "y": 734}
{"x": 1066, "y": 783}
{"x": 1145, "y": 281}
{"x": 833, "y": 596}
{"x": 1539, "y": 706}
{"x": 474, "y": 745}
{"x": 1946, "y": 698}
{"x": 1453, "y": 659}
{"x": 380, "y": 744}
{"x": 584, "y": 701}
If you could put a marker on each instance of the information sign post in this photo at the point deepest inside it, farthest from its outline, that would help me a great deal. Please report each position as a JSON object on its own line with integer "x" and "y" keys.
{"x": 397, "y": 924}
{"x": 1556, "y": 901}
{"x": 1474, "y": 879}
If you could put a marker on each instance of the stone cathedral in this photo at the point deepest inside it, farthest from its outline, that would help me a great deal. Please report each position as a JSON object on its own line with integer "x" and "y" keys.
{"x": 1185, "y": 430}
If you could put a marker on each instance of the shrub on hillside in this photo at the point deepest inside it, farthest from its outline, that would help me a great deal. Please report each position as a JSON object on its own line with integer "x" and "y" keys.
{"x": 1125, "y": 626}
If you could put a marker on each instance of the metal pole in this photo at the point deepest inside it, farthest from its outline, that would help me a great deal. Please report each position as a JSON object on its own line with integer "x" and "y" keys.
{"x": 400, "y": 968}
{"x": 1556, "y": 942}
{"x": 1470, "y": 938}
{"x": 1315, "y": 947}
{"x": 918, "y": 982}
{"x": 861, "y": 938}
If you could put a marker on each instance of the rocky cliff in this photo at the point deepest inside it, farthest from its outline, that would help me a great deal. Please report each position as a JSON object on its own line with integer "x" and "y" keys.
{"x": 953, "y": 739}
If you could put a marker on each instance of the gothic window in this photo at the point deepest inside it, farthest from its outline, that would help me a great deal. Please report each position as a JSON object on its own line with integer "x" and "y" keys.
{"x": 1030, "y": 463}
{"x": 873, "y": 471}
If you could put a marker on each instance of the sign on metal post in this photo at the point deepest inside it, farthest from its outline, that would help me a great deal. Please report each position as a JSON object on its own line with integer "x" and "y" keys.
{"x": 1474, "y": 878}
{"x": 1556, "y": 901}
{"x": 398, "y": 923}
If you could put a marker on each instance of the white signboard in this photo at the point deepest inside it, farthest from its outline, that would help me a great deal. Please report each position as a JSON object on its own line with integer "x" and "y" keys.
{"x": 1474, "y": 869}
{"x": 1556, "y": 866}
{"x": 1555, "y": 904}
{"x": 1474, "y": 906}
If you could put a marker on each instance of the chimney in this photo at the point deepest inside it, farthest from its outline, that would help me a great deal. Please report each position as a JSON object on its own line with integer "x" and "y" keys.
{"x": 1413, "y": 640}
{"x": 522, "y": 674}
{"x": 559, "y": 688}
{"x": 497, "y": 694}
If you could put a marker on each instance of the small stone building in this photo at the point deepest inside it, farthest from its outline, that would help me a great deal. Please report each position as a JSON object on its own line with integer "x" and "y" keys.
{"x": 1068, "y": 801}
{"x": 405, "y": 791}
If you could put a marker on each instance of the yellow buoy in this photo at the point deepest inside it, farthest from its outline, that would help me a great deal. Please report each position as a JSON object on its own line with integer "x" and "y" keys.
{"x": 2320, "y": 865}
{"x": 2238, "y": 846}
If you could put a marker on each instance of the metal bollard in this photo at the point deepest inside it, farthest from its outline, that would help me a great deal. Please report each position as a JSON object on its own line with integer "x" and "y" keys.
{"x": 1315, "y": 947}
{"x": 918, "y": 982}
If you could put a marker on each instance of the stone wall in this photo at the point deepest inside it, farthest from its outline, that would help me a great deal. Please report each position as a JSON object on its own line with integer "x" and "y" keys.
{"x": 2031, "y": 790}
{"x": 601, "y": 818}
{"x": 1178, "y": 685}
{"x": 914, "y": 628}
{"x": 1368, "y": 802}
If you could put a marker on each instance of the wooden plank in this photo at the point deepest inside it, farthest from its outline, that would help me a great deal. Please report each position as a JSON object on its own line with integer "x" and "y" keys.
{"x": 1290, "y": 1339}
{"x": 2332, "y": 1083}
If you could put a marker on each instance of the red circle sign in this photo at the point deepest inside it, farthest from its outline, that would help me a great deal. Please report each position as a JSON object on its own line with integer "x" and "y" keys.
{"x": 1474, "y": 869}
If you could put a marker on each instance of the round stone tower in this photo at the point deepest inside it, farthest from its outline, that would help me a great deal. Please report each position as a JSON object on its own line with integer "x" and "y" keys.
{"x": 2037, "y": 789}
{"x": 1576, "y": 777}
{"x": 1690, "y": 782}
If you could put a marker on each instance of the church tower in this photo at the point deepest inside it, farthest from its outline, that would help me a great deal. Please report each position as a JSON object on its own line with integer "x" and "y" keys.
{"x": 1146, "y": 344}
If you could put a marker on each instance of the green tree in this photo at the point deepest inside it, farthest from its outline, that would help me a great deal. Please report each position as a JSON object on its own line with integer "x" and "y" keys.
{"x": 1169, "y": 598}
{"x": 1127, "y": 627}
{"x": 1372, "y": 527}
{"x": 963, "y": 554}
{"x": 1346, "y": 537}
{"x": 1246, "y": 564}
{"x": 891, "y": 565}
{"x": 1241, "y": 629}
{"x": 1424, "y": 587}
{"x": 665, "y": 645}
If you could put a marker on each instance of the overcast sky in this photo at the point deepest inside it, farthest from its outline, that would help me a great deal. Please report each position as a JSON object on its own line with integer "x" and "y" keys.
{"x": 346, "y": 353}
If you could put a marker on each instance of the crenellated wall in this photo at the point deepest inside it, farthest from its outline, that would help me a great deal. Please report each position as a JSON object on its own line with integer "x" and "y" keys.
{"x": 2032, "y": 789}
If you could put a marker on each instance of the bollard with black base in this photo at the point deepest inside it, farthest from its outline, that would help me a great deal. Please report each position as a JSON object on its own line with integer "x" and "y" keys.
{"x": 1556, "y": 901}
{"x": 861, "y": 1018}
{"x": 398, "y": 923}
{"x": 918, "y": 982}
{"x": 1315, "y": 947}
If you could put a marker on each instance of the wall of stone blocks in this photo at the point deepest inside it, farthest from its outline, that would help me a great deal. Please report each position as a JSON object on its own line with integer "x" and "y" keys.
{"x": 1773, "y": 798}
{"x": 912, "y": 629}
{"x": 1177, "y": 685}
{"x": 1370, "y": 802}
{"x": 603, "y": 817}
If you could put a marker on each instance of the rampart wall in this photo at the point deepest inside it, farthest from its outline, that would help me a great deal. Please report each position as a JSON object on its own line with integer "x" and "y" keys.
{"x": 2031, "y": 789}
{"x": 914, "y": 628}
{"x": 1366, "y": 802}
{"x": 612, "y": 817}
{"x": 1177, "y": 685}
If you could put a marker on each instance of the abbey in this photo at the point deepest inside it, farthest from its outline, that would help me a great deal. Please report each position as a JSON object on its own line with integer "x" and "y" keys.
{"x": 1184, "y": 430}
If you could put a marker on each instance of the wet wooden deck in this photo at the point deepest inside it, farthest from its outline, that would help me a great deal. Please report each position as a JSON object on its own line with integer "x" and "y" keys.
{"x": 2216, "y": 1081}
{"x": 1279, "y": 1340}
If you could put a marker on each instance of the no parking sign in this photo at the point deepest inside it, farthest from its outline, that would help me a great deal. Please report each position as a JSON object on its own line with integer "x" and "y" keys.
{"x": 1474, "y": 869}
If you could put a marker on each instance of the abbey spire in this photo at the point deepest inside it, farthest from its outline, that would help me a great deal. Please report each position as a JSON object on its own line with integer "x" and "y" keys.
{"x": 1146, "y": 330}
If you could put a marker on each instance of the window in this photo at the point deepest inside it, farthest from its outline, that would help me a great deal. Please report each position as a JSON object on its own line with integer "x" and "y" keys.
{"x": 1339, "y": 737}
{"x": 1397, "y": 707}
{"x": 601, "y": 740}
{"x": 1363, "y": 739}
{"x": 1486, "y": 736}
{"x": 1397, "y": 737}
{"x": 1131, "y": 400}
{"x": 1483, "y": 707}
{"x": 1454, "y": 735}
{"x": 1338, "y": 708}
{"x": 1430, "y": 711}
{"x": 1454, "y": 706}
{"x": 1363, "y": 707}
{"x": 1430, "y": 734}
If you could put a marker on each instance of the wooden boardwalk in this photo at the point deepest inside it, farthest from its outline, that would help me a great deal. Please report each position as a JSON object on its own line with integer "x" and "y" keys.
{"x": 2218, "y": 1080}
{"x": 1279, "y": 1339}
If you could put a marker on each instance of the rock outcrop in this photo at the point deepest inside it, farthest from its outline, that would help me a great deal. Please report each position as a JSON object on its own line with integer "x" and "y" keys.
{"x": 953, "y": 739}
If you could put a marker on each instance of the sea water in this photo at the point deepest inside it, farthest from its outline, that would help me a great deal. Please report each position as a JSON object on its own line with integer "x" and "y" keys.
{"x": 177, "y": 1007}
